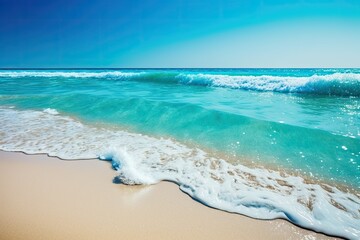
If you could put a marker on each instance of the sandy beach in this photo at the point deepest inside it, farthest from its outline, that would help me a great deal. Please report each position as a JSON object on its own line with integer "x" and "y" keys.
{"x": 48, "y": 198}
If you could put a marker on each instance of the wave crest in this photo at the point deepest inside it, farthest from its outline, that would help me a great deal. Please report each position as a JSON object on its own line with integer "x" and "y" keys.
{"x": 344, "y": 84}
{"x": 341, "y": 84}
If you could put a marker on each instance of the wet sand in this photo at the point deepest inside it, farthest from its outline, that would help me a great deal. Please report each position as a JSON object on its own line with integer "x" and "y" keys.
{"x": 48, "y": 198}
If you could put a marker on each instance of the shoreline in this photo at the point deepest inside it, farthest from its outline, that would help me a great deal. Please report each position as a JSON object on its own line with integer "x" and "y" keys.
{"x": 48, "y": 198}
{"x": 347, "y": 187}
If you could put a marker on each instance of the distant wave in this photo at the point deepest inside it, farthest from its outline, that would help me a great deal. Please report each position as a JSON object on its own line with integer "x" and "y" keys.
{"x": 340, "y": 84}
{"x": 345, "y": 84}
{"x": 78, "y": 74}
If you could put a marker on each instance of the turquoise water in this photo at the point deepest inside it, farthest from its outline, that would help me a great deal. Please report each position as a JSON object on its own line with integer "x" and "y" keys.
{"x": 306, "y": 132}
{"x": 303, "y": 121}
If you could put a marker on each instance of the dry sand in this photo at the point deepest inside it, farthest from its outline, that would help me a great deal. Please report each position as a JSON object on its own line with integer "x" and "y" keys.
{"x": 48, "y": 198}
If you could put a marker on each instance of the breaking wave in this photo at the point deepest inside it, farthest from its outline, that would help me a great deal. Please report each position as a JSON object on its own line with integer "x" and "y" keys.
{"x": 340, "y": 84}
{"x": 343, "y": 84}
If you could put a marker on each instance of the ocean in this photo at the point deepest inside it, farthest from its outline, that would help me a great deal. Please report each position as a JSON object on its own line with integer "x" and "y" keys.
{"x": 266, "y": 143}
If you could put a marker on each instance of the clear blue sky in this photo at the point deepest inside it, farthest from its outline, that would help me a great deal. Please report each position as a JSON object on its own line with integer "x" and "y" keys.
{"x": 180, "y": 33}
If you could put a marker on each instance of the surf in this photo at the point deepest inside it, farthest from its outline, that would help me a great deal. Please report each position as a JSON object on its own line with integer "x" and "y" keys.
{"x": 324, "y": 83}
{"x": 141, "y": 159}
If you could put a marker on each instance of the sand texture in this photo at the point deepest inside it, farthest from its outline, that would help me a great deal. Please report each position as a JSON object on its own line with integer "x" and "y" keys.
{"x": 48, "y": 198}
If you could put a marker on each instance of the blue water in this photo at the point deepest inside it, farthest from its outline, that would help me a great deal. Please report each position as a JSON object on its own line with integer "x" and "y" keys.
{"x": 302, "y": 121}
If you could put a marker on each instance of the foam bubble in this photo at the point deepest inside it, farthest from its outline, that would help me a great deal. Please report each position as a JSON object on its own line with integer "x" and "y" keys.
{"x": 141, "y": 159}
{"x": 51, "y": 111}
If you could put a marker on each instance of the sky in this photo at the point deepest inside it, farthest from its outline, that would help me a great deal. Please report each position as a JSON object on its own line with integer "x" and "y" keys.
{"x": 179, "y": 33}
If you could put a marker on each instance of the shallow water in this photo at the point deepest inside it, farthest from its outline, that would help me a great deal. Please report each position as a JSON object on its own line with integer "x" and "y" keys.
{"x": 241, "y": 140}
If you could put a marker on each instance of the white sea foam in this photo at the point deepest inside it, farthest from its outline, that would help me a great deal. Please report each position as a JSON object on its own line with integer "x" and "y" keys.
{"x": 51, "y": 111}
{"x": 74, "y": 74}
{"x": 141, "y": 159}
{"x": 336, "y": 83}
